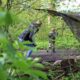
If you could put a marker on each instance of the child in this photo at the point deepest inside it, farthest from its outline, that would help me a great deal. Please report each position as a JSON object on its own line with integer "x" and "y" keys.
{"x": 28, "y": 34}
{"x": 52, "y": 38}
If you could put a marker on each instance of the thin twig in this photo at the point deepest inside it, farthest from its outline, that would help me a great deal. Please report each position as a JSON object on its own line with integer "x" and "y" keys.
{"x": 58, "y": 77}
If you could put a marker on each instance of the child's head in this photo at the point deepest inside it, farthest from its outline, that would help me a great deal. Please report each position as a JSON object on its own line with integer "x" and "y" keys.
{"x": 53, "y": 29}
{"x": 38, "y": 22}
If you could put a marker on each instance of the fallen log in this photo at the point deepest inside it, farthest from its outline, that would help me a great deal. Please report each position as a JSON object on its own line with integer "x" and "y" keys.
{"x": 66, "y": 62}
{"x": 54, "y": 57}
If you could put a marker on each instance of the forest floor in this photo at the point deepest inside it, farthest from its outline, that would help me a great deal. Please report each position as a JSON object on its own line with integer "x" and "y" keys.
{"x": 66, "y": 55}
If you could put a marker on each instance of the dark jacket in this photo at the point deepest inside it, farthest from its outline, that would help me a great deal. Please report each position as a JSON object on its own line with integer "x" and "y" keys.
{"x": 28, "y": 34}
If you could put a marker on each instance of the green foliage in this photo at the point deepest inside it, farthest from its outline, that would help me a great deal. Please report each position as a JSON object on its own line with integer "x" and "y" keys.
{"x": 2, "y": 18}
{"x": 75, "y": 77}
{"x": 15, "y": 63}
{"x": 8, "y": 19}
{"x": 3, "y": 73}
{"x": 5, "y": 18}
{"x": 18, "y": 64}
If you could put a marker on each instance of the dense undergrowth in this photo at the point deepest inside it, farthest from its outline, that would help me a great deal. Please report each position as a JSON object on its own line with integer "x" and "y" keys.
{"x": 13, "y": 64}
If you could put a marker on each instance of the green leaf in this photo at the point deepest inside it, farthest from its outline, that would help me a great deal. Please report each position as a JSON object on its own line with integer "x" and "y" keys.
{"x": 8, "y": 18}
{"x": 3, "y": 74}
{"x": 38, "y": 65}
{"x": 37, "y": 73}
{"x": 7, "y": 46}
{"x": 2, "y": 18}
{"x": 3, "y": 38}
{"x": 16, "y": 45}
{"x": 21, "y": 64}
